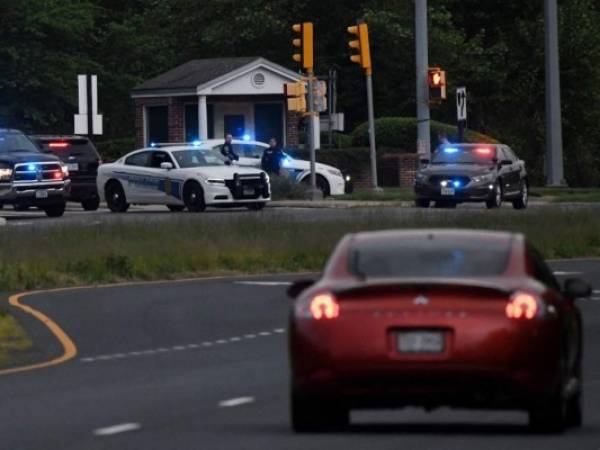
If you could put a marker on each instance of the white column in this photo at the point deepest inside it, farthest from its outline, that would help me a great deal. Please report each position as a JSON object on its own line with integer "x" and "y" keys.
{"x": 202, "y": 118}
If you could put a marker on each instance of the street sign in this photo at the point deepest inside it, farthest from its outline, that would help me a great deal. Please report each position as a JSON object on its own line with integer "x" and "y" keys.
{"x": 320, "y": 96}
{"x": 461, "y": 104}
{"x": 88, "y": 121}
{"x": 337, "y": 122}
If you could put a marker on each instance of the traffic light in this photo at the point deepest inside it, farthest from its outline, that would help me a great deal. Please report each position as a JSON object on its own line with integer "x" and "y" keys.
{"x": 296, "y": 96}
{"x": 361, "y": 44}
{"x": 320, "y": 96}
{"x": 305, "y": 43}
{"x": 437, "y": 84}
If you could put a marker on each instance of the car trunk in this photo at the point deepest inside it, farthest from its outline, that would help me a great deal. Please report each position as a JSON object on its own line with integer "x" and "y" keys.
{"x": 78, "y": 154}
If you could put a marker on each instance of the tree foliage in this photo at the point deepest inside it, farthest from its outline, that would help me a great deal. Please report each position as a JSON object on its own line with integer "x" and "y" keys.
{"x": 495, "y": 48}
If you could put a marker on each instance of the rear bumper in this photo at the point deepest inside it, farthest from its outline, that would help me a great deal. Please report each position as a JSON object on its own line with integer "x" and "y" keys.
{"x": 82, "y": 190}
{"x": 477, "y": 193}
{"x": 27, "y": 194}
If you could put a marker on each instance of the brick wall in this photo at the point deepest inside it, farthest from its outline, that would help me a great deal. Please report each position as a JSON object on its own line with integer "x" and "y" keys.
{"x": 393, "y": 170}
{"x": 176, "y": 120}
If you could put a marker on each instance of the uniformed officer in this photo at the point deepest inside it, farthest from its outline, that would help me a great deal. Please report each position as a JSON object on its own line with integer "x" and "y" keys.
{"x": 271, "y": 158}
{"x": 227, "y": 149}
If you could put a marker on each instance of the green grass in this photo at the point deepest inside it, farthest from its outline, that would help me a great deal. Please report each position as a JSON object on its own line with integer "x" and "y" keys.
{"x": 388, "y": 194}
{"x": 189, "y": 245}
{"x": 13, "y": 339}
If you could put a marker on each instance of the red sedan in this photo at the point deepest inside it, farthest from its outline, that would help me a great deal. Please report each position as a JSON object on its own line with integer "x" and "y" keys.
{"x": 436, "y": 318}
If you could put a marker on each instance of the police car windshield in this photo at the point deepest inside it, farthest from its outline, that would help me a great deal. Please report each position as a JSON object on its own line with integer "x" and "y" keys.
{"x": 16, "y": 142}
{"x": 457, "y": 154}
{"x": 198, "y": 158}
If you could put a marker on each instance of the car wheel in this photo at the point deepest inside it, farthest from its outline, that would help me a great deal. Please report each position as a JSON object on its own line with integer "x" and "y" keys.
{"x": 56, "y": 210}
{"x": 193, "y": 197}
{"x": 422, "y": 203}
{"x": 551, "y": 415}
{"x": 495, "y": 200}
{"x": 312, "y": 414}
{"x": 90, "y": 204}
{"x": 322, "y": 184}
{"x": 521, "y": 202}
{"x": 575, "y": 411}
{"x": 258, "y": 206}
{"x": 115, "y": 197}
{"x": 176, "y": 208}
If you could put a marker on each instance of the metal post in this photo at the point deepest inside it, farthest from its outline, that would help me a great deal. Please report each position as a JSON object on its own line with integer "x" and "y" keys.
{"x": 554, "y": 151}
{"x": 423, "y": 139}
{"x": 314, "y": 193}
{"x": 330, "y": 105}
{"x": 373, "y": 152}
{"x": 90, "y": 111}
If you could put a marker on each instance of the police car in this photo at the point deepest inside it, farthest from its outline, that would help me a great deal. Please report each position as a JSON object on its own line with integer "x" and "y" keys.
{"x": 180, "y": 176}
{"x": 330, "y": 180}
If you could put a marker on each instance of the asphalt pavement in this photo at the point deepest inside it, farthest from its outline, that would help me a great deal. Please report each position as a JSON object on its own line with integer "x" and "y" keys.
{"x": 203, "y": 365}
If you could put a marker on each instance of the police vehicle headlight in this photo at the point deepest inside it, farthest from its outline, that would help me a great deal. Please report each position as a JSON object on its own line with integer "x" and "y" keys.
{"x": 5, "y": 173}
{"x": 216, "y": 181}
{"x": 483, "y": 178}
{"x": 335, "y": 172}
{"x": 347, "y": 178}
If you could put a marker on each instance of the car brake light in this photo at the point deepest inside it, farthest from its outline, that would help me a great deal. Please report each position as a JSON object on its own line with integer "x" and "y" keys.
{"x": 324, "y": 306}
{"x": 484, "y": 151}
{"x": 522, "y": 305}
{"x": 58, "y": 175}
{"x": 58, "y": 144}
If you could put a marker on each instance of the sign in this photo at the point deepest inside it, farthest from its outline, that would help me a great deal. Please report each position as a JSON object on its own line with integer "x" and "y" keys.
{"x": 337, "y": 122}
{"x": 88, "y": 121}
{"x": 461, "y": 104}
{"x": 320, "y": 96}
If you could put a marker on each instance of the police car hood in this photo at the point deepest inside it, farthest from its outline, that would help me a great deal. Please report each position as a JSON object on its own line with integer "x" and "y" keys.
{"x": 225, "y": 172}
{"x": 26, "y": 157}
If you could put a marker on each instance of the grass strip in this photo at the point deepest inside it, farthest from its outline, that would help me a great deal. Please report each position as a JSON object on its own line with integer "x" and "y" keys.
{"x": 13, "y": 339}
{"x": 270, "y": 242}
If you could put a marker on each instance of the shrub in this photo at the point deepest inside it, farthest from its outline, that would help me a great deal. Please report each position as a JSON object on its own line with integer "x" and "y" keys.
{"x": 285, "y": 188}
{"x": 401, "y": 133}
{"x": 115, "y": 148}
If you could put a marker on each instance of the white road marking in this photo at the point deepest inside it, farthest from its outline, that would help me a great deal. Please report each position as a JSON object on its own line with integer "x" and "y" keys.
{"x": 114, "y": 429}
{"x": 179, "y": 347}
{"x": 279, "y": 330}
{"x": 221, "y": 341}
{"x": 250, "y": 336}
{"x": 234, "y": 339}
{"x": 206, "y": 344}
{"x": 563, "y": 273}
{"x": 236, "y": 402}
{"x": 264, "y": 283}
{"x": 596, "y": 291}
{"x": 264, "y": 333}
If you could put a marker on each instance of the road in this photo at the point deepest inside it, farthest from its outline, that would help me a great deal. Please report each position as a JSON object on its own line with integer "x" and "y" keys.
{"x": 203, "y": 365}
{"x": 294, "y": 210}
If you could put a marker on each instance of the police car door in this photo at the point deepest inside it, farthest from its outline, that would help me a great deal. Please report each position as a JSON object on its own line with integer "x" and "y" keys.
{"x": 133, "y": 176}
{"x": 159, "y": 179}
{"x": 250, "y": 154}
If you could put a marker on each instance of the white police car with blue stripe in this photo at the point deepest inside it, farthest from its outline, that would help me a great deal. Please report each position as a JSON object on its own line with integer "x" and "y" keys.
{"x": 180, "y": 176}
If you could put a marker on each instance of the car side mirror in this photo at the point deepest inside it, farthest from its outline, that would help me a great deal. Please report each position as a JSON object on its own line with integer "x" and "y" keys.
{"x": 298, "y": 287}
{"x": 576, "y": 288}
{"x": 166, "y": 165}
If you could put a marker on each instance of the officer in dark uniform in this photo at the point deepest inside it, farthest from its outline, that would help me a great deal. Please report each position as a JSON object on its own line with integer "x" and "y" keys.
{"x": 271, "y": 158}
{"x": 227, "y": 149}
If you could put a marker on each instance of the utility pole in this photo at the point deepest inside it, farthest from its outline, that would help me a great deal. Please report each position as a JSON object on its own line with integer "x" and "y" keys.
{"x": 554, "y": 150}
{"x": 423, "y": 133}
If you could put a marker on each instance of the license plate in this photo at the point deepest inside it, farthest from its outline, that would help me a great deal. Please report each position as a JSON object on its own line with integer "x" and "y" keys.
{"x": 447, "y": 191}
{"x": 249, "y": 191}
{"x": 73, "y": 167}
{"x": 41, "y": 194}
{"x": 421, "y": 342}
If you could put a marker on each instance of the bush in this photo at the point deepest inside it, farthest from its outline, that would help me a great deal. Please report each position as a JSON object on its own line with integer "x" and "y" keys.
{"x": 340, "y": 140}
{"x": 115, "y": 148}
{"x": 401, "y": 133}
{"x": 350, "y": 161}
{"x": 285, "y": 188}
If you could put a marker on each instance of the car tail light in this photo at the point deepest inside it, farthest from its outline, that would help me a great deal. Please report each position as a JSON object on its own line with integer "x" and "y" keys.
{"x": 483, "y": 151}
{"x": 522, "y": 305}
{"x": 58, "y": 175}
{"x": 58, "y": 144}
{"x": 324, "y": 306}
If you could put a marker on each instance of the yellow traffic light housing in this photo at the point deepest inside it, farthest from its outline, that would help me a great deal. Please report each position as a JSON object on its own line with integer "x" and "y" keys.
{"x": 437, "y": 84}
{"x": 305, "y": 44}
{"x": 361, "y": 45}
{"x": 296, "y": 96}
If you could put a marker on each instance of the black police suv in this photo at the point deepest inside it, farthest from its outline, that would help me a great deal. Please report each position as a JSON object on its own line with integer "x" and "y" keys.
{"x": 30, "y": 178}
{"x": 459, "y": 173}
{"x": 82, "y": 160}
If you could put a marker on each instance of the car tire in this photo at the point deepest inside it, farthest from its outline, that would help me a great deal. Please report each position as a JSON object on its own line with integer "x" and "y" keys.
{"x": 422, "y": 203}
{"x": 115, "y": 197}
{"x": 322, "y": 184}
{"x": 258, "y": 206}
{"x": 176, "y": 208}
{"x": 523, "y": 200}
{"x": 90, "y": 204}
{"x": 550, "y": 415}
{"x": 56, "y": 210}
{"x": 315, "y": 414}
{"x": 193, "y": 197}
{"x": 495, "y": 200}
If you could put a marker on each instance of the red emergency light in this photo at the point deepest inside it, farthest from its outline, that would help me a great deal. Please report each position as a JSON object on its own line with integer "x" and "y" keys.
{"x": 58, "y": 144}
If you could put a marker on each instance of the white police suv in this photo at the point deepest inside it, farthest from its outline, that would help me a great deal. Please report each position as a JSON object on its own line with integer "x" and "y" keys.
{"x": 330, "y": 180}
{"x": 180, "y": 176}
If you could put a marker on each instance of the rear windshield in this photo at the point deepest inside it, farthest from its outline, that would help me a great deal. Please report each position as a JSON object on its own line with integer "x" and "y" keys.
{"x": 430, "y": 257}
{"x": 458, "y": 154}
{"x": 16, "y": 142}
{"x": 69, "y": 147}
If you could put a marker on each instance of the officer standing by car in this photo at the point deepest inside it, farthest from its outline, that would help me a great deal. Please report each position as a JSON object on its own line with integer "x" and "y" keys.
{"x": 227, "y": 149}
{"x": 271, "y": 158}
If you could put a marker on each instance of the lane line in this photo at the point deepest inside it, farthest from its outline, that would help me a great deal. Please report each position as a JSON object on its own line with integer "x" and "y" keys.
{"x": 264, "y": 283}
{"x": 279, "y": 330}
{"x": 236, "y": 402}
{"x": 563, "y": 273}
{"x": 69, "y": 347}
{"x": 115, "y": 429}
{"x": 596, "y": 291}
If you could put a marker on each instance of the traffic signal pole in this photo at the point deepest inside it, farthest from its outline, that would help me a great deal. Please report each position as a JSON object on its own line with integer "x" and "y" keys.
{"x": 373, "y": 150}
{"x": 423, "y": 131}
{"x": 314, "y": 193}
